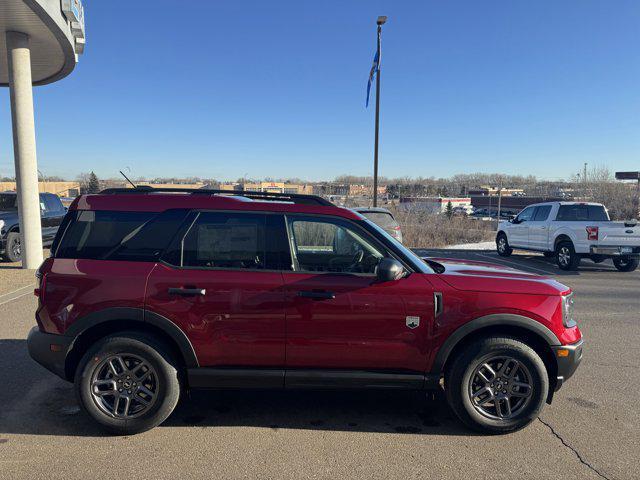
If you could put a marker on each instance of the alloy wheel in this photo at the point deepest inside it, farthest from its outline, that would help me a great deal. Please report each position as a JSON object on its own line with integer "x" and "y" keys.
{"x": 15, "y": 249}
{"x": 500, "y": 388}
{"x": 124, "y": 386}
{"x": 564, "y": 256}
{"x": 502, "y": 244}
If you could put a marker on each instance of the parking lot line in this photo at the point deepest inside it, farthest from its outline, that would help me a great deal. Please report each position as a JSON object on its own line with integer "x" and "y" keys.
{"x": 20, "y": 292}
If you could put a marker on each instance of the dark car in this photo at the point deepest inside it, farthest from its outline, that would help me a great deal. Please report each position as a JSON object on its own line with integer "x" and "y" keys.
{"x": 149, "y": 294}
{"x": 383, "y": 218}
{"x": 52, "y": 212}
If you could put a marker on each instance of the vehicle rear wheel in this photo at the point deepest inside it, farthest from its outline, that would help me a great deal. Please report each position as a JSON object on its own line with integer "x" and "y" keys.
{"x": 502, "y": 245}
{"x": 128, "y": 383}
{"x": 497, "y": 385}
{"x": 13, "y": 251}
{"x": 566, "y": 256}
{"x": 626, "y": 264}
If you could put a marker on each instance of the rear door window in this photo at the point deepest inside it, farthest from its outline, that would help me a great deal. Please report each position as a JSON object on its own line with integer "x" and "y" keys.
{"x": 235, "y": 241}
{"x": 385, "y": 220}
{"x": 577, "y": 213}
{"x": 542, "y": 213}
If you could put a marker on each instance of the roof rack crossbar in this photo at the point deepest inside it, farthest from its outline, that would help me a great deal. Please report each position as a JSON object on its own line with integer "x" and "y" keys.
{"x": 297, "y": 198}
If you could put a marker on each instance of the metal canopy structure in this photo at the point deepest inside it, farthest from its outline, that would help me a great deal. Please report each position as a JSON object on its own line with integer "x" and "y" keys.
{"x": 39, "y": 43}
{"x": 52, "y": 39}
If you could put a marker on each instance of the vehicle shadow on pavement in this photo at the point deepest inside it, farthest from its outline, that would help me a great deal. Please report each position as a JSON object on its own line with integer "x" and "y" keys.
{"x": 37, "y": 402}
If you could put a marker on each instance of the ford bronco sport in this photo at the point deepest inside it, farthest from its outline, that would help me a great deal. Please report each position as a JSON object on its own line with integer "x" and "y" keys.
{"x": 148, "y": 293}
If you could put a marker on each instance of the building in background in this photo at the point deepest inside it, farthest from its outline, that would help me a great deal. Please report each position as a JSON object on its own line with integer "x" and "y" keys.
{"x": 347, "y": 190}
{"x": 274, "y": 187}
{"x": 486, "y": 190}
{"x": 62, "y": 189}
{"x": 434, "y": 204}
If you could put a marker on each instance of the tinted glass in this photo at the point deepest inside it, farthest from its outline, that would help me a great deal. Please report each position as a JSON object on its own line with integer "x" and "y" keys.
{"x": 325, "y": 246}
{"x": 385, "y": 220}
{"x": 542, "y": 213}
{"x": 8, "y": 201}
{"x": 53, "y": 203}
{"x": 526, "y": 214}
{"x": 99, "y": 234}
{"x": 227, "y": 241}
{"x": 597, "y": 213}
{"x": 575, "y": 213}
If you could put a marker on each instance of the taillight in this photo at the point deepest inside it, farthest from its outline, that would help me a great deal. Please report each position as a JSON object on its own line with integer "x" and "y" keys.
{"x": 592, "y": 233}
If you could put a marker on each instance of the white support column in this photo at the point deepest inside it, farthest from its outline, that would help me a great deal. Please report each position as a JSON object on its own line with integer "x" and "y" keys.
{"x": 24, "y": 148}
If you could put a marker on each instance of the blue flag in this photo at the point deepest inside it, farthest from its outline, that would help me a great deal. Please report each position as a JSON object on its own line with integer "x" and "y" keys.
{"x": 374, "y": 69}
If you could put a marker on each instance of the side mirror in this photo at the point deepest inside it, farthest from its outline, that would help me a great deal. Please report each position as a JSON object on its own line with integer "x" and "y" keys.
{"x": 389, "y": 269}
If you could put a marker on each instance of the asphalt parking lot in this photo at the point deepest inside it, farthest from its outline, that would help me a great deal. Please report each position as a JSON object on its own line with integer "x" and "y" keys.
{"x": 592, "y": 430}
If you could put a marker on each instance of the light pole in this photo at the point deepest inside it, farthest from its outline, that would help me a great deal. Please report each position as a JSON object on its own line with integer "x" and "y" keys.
{"x": 381, "y": 21}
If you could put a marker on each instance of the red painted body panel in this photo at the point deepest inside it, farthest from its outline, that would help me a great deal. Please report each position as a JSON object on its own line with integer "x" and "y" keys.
{"x": 76, "y": 288}
{"x": 363, "y": 327}
{"x": 161, "y": 202}
{"x": 239, "y": 320}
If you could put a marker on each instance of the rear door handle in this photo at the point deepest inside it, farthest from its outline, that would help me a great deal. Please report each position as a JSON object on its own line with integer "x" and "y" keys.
{"x": 317, "y": 295}
{"x": 186, "y": 292}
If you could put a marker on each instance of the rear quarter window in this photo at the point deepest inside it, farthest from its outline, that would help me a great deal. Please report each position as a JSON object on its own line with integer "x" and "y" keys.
{"x": 111, "y": 235}
{"x": 385, "y": 220}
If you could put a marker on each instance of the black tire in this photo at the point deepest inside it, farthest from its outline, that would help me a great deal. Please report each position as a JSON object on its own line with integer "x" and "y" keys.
{"x": 502, "y": 245}
{"x": 566, "y": 256}
{"x": 12, "y": 249}
{"x": 163, "y": 379}
{"x": 626, "y": 264}
{"x": 459, "y": 385}
{"x": 549, "y": 254}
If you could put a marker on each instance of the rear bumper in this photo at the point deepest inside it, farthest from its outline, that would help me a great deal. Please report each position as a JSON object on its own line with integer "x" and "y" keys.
{"x": 49, "y": 350}
{"x": 614, "y": 251}
{"x": 568, "y": 364}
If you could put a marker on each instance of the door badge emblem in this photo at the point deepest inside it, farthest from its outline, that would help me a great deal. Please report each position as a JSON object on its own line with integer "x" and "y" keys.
{"x": 413, "y": 322}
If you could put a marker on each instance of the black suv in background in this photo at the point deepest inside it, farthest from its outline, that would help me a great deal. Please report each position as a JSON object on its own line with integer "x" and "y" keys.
{"x": 52, "y": 212}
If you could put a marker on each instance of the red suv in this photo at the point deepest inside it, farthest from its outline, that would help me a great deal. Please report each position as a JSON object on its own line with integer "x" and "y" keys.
{"x": 149, "y": 293}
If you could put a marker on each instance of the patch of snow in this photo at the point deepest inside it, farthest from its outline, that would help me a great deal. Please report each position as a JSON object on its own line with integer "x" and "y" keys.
{"x": 473, "y": 246}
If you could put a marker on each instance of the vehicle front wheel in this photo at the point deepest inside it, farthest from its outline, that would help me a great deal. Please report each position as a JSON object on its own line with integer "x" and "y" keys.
{"x": 13, "y": 251}
{"x": 502, "y": 245}
{"x": 497, "y": 385}
{"x": 566, "y": 256}
{"x": 626, "y": 264}
{"x": 128, "y": 383}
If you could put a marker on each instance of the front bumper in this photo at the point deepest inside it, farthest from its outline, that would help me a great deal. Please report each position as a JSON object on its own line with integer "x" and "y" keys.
{"x": 49, "y": 350}
{"x": 568, "y": 358}
{"x": 615, "y": 251}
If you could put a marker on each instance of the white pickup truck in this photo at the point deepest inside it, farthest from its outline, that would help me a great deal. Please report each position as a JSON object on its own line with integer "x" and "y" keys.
{"x": 571, "y": 231}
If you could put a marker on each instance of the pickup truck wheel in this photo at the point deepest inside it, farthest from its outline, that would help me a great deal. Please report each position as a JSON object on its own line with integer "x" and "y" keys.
{"x": 12, "y": 249}
{"x": 502, "y": 245}
{"x": 566, "y": 256}
{"x": 127, "y": 383}
{"x": 626, "y": 264}
{"x": 497, "y": 385}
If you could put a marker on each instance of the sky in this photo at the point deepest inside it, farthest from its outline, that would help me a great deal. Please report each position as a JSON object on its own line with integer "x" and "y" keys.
{"x": 227, "y": 89}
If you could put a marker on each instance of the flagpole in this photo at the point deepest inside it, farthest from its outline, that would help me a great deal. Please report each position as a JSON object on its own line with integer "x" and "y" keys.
{"x": 381, "y": 20}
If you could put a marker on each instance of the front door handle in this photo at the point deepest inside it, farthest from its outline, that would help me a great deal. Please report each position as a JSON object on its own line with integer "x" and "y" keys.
{"x": 317, "y": 295}
{"x": 186, "y": 292}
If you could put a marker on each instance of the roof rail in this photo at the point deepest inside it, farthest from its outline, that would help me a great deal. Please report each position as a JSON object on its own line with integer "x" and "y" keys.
{"x": 296, "y": 198}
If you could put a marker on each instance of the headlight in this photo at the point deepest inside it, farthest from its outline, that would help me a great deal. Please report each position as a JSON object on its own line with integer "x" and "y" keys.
{"x": 567, "y": 311}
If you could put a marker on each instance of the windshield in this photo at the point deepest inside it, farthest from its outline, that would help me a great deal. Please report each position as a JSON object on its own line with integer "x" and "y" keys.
{"x": 416, "y": 260}
{"x": 8, "y": 201}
